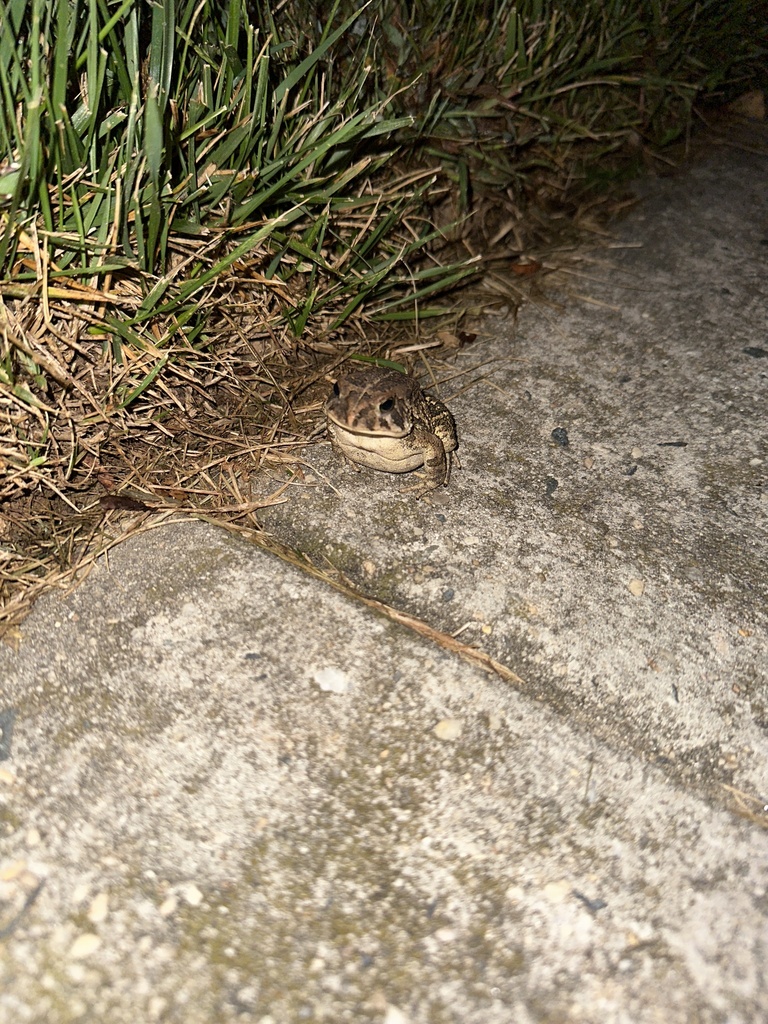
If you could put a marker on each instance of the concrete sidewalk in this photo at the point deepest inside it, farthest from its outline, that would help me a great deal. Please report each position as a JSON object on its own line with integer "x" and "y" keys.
{"x": 231, "y": 793}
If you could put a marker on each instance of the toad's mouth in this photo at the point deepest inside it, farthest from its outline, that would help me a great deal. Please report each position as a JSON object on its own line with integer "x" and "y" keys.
{"x": 363, "y": 430}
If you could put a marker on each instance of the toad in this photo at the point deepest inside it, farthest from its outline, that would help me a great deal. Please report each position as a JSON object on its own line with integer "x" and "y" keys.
{"x": 383, "y": 420}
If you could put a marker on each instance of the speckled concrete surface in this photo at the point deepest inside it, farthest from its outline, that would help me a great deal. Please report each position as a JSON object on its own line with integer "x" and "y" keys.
{"x": 230, "y": 793}
{"x": 624, "y": 575}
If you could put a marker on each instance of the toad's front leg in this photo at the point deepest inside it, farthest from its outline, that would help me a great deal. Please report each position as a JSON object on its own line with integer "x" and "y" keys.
{"x": 437, "y": 463}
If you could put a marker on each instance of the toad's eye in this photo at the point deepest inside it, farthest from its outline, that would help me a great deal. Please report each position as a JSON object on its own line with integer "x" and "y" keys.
{"x": 387, "y": 406}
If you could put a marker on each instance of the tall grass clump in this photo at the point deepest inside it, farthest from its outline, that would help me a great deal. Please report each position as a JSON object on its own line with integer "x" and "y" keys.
{"x": 159, "y": 155}
{"x": 544, "y": 94}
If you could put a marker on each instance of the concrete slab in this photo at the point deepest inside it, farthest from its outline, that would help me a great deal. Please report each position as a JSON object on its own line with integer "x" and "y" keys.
{"x": 230, "y": 792}
{"x": 623, "y": 573}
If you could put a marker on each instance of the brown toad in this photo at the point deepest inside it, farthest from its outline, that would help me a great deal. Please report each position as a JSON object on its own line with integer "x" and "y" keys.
{"x": 382, "y": 419}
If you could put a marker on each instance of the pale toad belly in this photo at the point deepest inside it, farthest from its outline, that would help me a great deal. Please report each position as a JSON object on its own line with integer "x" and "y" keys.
{"x": 387, "y": 454}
